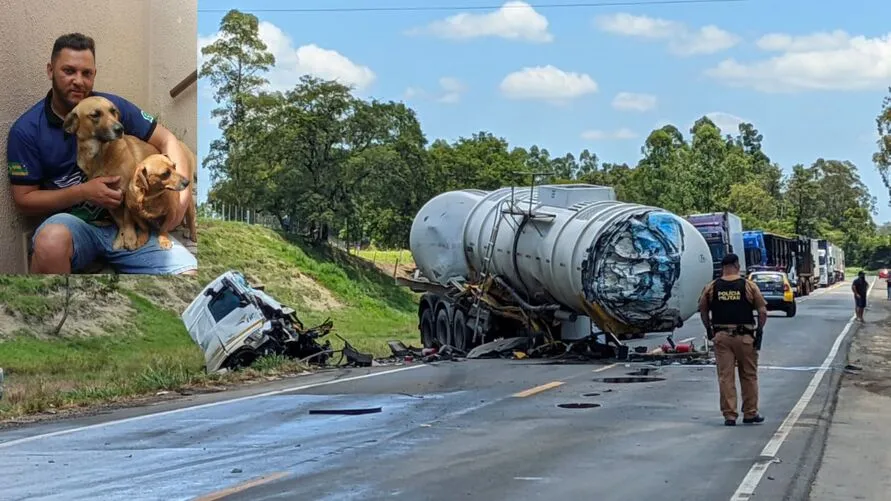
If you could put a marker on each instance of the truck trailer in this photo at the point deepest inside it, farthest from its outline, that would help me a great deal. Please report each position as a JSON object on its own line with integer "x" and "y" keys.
{"x": 723, "y": 232}
{"x": 806, "y": 265}
{"x": 792, "y": 255}
{"x": 765, "y": 250}
{"x": 565, "y": 263}
{"x": 838, "y": 262}
{"x": 831, "y": 262}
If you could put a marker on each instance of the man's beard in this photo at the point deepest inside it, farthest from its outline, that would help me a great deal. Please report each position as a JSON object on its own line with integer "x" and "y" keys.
{"x": 63, "y": 97}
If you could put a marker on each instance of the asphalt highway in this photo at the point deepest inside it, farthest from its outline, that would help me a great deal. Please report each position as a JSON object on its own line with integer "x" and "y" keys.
{"x": 481, "y": 429}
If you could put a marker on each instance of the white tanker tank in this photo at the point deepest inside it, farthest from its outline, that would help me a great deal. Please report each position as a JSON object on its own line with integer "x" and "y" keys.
{"x": 572, "y": 255}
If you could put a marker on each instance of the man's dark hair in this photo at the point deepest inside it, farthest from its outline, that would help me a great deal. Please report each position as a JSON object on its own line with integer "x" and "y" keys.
{"x": 730, "y": 260}
{"x": 73, "y": 41}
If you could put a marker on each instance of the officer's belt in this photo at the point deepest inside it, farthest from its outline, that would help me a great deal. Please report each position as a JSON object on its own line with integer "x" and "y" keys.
{"x": 734, "y": 330}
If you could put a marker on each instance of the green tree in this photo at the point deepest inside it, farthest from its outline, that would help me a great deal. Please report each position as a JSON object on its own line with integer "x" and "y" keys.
{"x": 235, "y": 61}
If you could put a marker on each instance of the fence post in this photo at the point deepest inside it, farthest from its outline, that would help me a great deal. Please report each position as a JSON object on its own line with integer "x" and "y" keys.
{"x": 396, "y": 267}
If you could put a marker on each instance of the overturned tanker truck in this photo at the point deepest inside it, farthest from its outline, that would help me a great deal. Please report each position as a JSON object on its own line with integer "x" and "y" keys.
{"x": 563, "y": 266}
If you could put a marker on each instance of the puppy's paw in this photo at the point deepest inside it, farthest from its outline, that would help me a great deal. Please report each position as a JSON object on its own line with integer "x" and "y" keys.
{"x": 142, "y": 238}
{"x": 130, "y": 239}
{"x": 164, "y": 242}
{"x": 118, "y": 242}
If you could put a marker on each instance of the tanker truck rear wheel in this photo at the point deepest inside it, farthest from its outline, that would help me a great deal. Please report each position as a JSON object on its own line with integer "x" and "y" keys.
{"x": 462, "y": 335}
{"x": 443, "y": 327}
{"x": 428, "y": 329}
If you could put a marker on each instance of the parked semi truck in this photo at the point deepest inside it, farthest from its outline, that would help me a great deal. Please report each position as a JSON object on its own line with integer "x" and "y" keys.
{"x": 806, "y": 265}
{"x": 723, "y": 232}
{"x": 561, "y": 262}
{"x": 792, "y": 255}
{"x": 838, "y": 262}
{"x": 831, "y": 262}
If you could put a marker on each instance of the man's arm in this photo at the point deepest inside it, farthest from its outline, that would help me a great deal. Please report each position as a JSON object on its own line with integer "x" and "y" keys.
{"x": 703, "y": 310}
{"x": 25, "y": 174}
{"x": 854, "y": 289}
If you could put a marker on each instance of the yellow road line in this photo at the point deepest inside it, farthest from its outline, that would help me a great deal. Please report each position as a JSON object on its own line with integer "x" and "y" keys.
{"x": 538, "y": 389}
{"x": 241, "y": 487}
{"x": 606, "y": 367}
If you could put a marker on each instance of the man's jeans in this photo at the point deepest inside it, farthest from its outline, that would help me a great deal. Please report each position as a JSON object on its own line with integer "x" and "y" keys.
{"x": 92, "y": 242}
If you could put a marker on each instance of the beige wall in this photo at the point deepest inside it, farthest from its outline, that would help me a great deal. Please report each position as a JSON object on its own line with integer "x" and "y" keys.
{"x": 144, "y": 48}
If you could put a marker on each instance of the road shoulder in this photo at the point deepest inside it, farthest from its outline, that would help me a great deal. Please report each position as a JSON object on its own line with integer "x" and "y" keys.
{"x": 857, "y": 457}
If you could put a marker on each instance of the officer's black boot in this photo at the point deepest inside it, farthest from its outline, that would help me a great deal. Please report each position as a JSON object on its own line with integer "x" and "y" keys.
{"x": 757, "y": 419}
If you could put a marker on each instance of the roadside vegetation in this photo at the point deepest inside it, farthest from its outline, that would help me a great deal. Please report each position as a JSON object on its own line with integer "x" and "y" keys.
{"x": 123, "y": 338}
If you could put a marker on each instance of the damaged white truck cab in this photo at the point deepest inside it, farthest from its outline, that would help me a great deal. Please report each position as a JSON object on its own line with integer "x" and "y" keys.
{"x": 234, "y": 323}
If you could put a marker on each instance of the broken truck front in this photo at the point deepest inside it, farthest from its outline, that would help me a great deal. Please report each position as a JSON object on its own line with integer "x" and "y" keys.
{"x": 234, "y": 324}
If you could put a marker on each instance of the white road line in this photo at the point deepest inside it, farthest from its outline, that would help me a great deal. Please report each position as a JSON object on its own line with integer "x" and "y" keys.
{"x": 768, "y": 455}
{"x": 202, "y": 406}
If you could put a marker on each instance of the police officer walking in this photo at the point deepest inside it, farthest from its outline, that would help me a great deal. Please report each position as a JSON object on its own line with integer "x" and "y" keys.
{"x": 731, "y": 299}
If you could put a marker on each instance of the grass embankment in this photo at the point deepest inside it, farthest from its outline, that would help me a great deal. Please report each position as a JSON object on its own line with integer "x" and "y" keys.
{"x": 124, "y": 338}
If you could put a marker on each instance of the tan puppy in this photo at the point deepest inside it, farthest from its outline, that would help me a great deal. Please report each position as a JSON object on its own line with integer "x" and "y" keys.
{"x": 153, "y": 196}
{"x": 104, "y": 150}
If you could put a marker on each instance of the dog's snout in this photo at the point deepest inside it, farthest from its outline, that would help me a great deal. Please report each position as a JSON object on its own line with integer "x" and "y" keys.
{"x": 117, "y": 129}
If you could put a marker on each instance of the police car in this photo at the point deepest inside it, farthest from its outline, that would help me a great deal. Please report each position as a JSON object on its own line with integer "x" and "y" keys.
{"x": 776, "y": 289}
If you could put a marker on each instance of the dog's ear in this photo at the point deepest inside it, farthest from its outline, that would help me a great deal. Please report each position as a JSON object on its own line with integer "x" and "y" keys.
{"x": 71, "y": 122}
{"x": 142, "y": 177}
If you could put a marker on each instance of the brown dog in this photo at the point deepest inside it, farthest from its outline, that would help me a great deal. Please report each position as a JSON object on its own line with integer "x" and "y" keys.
{"x": 104, "y": 150}
{"x": 153, "y": 196}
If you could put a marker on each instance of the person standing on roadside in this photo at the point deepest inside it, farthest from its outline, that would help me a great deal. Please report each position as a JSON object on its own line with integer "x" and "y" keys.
{"x": 859, "y": 287}
{"x": 888, "y": 284}
{"x": 730, "y": 300}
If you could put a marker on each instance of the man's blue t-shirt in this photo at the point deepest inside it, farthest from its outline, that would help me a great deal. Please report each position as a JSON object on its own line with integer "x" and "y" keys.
{"x": 40, "y": 153}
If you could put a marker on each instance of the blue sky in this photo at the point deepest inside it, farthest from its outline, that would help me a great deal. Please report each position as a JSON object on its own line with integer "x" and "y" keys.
{"x": 809, "y": 75}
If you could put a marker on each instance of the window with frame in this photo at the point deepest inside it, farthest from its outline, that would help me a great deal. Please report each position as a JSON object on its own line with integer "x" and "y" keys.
{"x": 224, "y": 303}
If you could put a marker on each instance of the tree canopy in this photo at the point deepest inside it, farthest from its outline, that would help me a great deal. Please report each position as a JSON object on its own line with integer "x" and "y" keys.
{"x": 360, "y": 169}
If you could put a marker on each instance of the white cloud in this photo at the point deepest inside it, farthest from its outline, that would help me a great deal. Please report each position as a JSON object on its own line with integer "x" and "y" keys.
{"x": 291, "y": 63}
{"x": 820, "y": 61}
{"x": 451, "y": 90}
{"x": 781, "y": 42}
{"x": 547, "y": 83}
{"x": 682, "y": 40}
{"x": 601, "y": 135}
{"x": 413, "y": 92}
{"x": 630, "y": 101}
{"x": 515, "y": 20}
{"x": 728, "y": 123}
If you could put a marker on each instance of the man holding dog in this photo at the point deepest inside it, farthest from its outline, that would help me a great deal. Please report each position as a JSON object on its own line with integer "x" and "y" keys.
{"x": 46, "y": 180}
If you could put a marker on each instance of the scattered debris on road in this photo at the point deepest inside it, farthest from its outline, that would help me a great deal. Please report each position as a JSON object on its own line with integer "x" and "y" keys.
{"x": 347, "y": 412}
{"x": 409, "y": 354}
{"x": 578, "y": 406}
{"x": 630, "y": 379}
